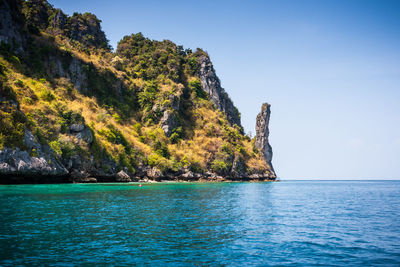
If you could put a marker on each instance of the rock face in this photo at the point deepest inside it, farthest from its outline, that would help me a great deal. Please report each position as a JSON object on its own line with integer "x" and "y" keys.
{"x": 211, "y": 84}
{"x": 262, "y": 134}
{"x": 169, "y": 120}
{"x": 123, "y": 177}
{"x": 238, "y": 168}
{"x": 9, "y": 28}
{"x": 41, "y": 161}
{"x": 76, "y": 75}
{"x": 81, "y": 132}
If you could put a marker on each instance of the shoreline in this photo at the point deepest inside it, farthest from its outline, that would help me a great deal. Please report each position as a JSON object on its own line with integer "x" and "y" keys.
{"x": 20, "y": 180}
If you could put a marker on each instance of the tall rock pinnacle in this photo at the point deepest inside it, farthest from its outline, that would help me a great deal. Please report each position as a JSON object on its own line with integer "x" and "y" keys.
{"x": 262, "y": 134}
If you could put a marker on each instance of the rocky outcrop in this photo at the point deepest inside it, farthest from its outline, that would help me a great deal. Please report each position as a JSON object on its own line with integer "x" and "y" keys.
{"x": 262, "y": 134}
{"x": 169, "y": 121}
{"x": 9, "y": 27}
{"x": 81, "y": 132}
{"x": 238, "y": 170}
{"x": 154, "y": 173}
{"x": 80, "y": 26}
{"x": 212, "y": 86}
{"x": 17, "y": 162}
{"x": 123, "y": 177}
{"x": 40, "y": 160}
{"x": 38, "y": 163}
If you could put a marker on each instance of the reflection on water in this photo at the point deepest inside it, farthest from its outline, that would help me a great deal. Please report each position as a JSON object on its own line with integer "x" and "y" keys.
{"x": 199, "y": 224}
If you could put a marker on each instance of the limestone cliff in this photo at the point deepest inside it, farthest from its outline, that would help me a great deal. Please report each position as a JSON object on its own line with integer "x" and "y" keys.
{"x": 40, "y": 161}
{"x": 72, "y": 110}
{"x": 262, "y": 134}
{"x": 212, "y": 85}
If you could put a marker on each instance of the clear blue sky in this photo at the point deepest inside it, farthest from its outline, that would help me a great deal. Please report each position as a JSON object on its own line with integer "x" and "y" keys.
{"x": 330, "y": 70}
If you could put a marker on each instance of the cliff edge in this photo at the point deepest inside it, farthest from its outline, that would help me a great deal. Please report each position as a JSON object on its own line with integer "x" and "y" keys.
{"x": 212, "y": 85}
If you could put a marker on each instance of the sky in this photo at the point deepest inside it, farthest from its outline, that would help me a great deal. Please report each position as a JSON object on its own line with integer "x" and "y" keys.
{"x": 330, "y": 70}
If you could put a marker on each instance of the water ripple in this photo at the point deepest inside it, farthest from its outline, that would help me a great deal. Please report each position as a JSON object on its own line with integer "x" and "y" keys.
{"x": 238, "y": 224}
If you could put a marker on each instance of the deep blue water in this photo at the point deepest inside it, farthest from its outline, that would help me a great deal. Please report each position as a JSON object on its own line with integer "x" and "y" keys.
{"x": 301, "y": 223}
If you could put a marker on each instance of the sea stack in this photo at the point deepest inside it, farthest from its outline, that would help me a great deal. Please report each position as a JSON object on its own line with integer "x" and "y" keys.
{"x": 262, "y": 134}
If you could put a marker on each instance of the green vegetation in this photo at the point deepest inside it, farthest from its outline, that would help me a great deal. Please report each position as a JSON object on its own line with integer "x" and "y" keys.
{"x": 195, "y": 86}
{"x": 68, "y": 75}
{"x": 12, "y": 125}
{"x": 150, "y": 60}
{"x": 219, "y": 166}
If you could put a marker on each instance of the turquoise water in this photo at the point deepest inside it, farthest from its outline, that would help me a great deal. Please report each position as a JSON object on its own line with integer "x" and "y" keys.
{"x": 304, "y": 223}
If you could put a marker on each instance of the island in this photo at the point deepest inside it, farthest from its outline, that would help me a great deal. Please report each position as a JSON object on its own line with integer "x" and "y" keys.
{"x": 74, "y": 110}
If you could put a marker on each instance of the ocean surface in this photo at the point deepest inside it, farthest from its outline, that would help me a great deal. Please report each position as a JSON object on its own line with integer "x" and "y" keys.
{"x": 298, "y": 223}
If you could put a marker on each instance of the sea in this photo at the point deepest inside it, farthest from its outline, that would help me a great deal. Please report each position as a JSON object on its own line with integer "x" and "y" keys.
{"x": 286, "y": 223}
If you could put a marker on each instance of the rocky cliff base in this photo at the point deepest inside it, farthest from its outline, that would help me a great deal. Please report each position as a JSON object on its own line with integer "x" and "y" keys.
{"x": 42, "y": 166}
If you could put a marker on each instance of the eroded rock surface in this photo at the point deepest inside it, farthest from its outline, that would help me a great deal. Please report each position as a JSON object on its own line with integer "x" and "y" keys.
{"x": 262, "y": 134}
{"x": 81, "y": 132}
{"x": 9, "y": 28}
{"x": 40, "y": 160}
{"x": 212, "y": 86}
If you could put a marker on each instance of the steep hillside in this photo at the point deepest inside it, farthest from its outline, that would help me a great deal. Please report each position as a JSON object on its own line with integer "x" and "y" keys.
{"x": 73, "y": 110}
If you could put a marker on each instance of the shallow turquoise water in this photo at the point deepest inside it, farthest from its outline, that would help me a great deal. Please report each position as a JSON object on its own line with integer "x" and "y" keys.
{"x": 304, "y": 223}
